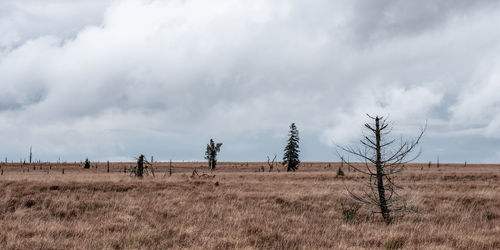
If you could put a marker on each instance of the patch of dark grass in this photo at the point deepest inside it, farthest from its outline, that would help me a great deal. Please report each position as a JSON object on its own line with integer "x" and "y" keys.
{"x": 395, "y": 243}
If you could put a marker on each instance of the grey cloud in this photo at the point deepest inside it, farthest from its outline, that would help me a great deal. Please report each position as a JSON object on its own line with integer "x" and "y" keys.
{"x": 380, "y": 20}
{"x": 22, "y": 99}
{"x": 29, "y": 19}
{"x": 143, "y": 73}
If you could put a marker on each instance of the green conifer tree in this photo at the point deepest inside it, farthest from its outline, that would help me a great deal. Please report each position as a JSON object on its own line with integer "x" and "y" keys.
{"x": 211, "y": 153}
{"x": 291, "y": 157}
{"x": 87, "y": 163}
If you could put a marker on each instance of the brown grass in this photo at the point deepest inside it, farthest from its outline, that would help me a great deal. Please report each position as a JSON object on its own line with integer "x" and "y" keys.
{"x": 459, "y": 208}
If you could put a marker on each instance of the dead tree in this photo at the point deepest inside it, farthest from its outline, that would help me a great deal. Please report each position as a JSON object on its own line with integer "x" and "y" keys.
{"x": 196, "y": 175}
{"x": 170, "y": 171}
{"x": 142, "y": 168}
{"x": 170, "y": 168}
{"x": 271, "y": 163}
{"x": 382, "y": 158}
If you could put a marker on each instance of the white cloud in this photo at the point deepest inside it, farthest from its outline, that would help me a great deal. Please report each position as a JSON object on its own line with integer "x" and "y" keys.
{"x": 479, "y": 104}
{"x": 408, "y": 108}
{"x": 167, "y": 69}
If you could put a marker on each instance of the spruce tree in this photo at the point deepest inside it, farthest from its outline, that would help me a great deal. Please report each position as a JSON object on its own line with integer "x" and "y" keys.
{"x": 291, "y": 156}
{"x": 87, "y": 163}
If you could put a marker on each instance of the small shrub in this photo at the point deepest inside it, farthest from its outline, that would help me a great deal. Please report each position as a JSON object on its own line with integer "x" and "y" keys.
{"x": 3, "y": 239}
{"x": 394, "y": 243}
{"x": 490, "y": 216}
{"x": 29, "y": 203}
{"x": 11, "y": 205}
{"x": 340, "y": 172}
{"x": 349, "y": 212}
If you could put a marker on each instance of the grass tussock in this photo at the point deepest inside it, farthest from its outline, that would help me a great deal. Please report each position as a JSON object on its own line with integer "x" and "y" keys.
{"x": 458, "y": 208}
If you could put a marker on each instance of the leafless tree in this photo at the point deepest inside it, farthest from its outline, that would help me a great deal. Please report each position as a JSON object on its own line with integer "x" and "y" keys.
{"x": 382, "y": 158}
{"x": 271, "y": 163}
{"x": 143, "y": 167}
{"x": 170, "y": 168}
{"x": 31, "y": 153}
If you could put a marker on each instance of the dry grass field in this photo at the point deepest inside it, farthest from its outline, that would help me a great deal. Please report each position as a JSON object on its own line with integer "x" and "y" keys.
{"x": 459, "y": 208}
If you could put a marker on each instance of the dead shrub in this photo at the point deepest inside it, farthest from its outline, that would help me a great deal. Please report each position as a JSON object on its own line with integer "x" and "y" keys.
{"x": 29, "y": 203}
{"x": 63, "y": 234}
{"x": 11, "y": 205}
{"x": 3, "y": 239}
{"x": 225, "y": 245}
{"x": 26, "y": 234}
{"x": 89, "y": 206}
{"x": 64, "y": 213}
{"x": 489, "y": 216}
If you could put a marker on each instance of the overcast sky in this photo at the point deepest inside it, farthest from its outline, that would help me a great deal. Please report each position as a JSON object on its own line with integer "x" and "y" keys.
{"x": 113, "y": 79}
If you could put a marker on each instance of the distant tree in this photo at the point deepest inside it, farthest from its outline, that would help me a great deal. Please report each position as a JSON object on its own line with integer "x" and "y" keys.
{"x": 211, "y": 154}
{"x": 140, "y": 166}
{"x": 141, "y": 169}
{"x": 87, "y": 163}
{"x": 271, "y": 163}
{"x": 382, "y": 158}
{"x": 291, "y": 157}
{"x": 340, "y": 172}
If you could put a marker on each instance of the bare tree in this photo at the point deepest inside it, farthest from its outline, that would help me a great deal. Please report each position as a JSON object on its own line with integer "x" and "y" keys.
{"x": 170, "y": 168}
{"x": 382, "y": 157}
{"x": 143, "y": 167}
{"x": 271, "y": 163}
{"x": 31, "y": 153}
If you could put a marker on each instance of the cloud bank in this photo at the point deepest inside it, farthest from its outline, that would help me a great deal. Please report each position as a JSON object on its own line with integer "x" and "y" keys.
{"x": 112, "y": 79}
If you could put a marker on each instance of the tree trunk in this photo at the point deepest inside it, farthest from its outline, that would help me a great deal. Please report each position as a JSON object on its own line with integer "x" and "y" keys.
{"x": 140, "y": 166}
{"x": 212, "y": 164}
{"x": 380, "y": 174}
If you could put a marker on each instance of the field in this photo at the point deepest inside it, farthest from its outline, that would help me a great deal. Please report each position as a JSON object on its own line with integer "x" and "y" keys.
{"x": 42, "y": 208}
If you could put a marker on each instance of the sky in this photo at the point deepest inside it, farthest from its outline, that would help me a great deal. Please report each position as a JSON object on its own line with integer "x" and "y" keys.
{"x": 111, "y": 79}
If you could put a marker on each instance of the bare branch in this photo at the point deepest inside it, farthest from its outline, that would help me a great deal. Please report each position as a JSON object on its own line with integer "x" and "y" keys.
{"x": 382, "y": 159}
